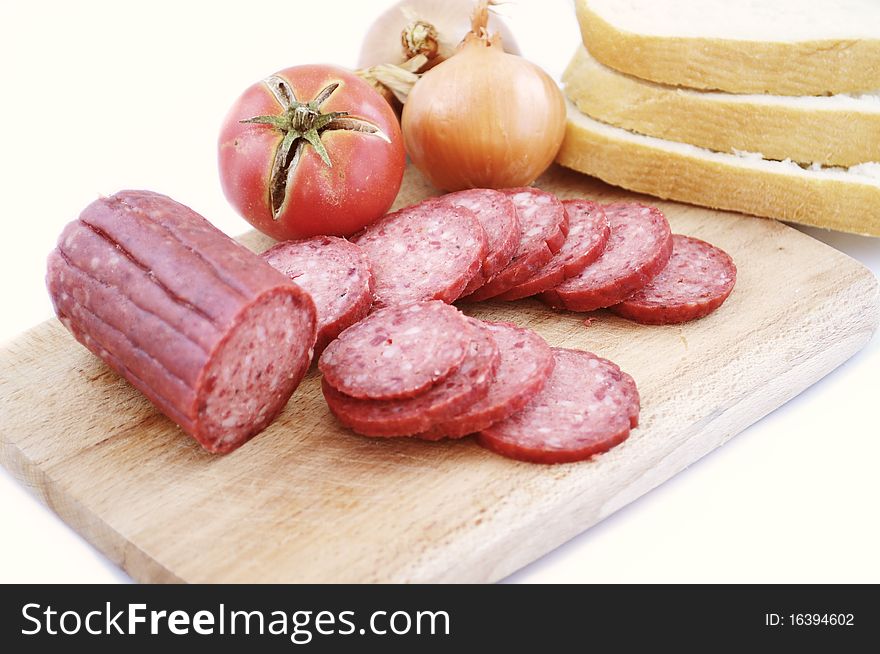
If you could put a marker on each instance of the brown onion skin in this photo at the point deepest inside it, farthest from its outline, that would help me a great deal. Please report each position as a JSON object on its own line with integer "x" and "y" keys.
{"x": 483, "y": 119}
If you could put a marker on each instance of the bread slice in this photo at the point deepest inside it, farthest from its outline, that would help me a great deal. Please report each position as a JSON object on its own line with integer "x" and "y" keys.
{"x": 783, "y": 47}
{"x": 836, "y": 198}
{"x": 837, "y": 130}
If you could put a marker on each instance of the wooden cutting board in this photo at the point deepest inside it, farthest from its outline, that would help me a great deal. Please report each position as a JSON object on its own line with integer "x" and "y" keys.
{"x": 307, "y": 501}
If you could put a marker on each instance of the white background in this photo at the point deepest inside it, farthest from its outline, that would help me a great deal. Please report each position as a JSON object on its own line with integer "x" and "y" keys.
{"x": 99, "y": 96}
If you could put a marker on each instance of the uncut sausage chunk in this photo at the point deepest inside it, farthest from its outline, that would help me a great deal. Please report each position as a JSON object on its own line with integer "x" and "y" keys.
{"x": 588, "y": 232}
{"x": 424, "y": 252}
{"x": 398, "y": 351}
{"x": 695, "y": 282}
{"x": 586, "y": 407}
{"x": 524, "y": 367}
{"x": 407, "y": 417}
{"x": 335, "y": 273}
{"x": 497, "y": 214}
{"x": 213, "y": 336}
{"x": 638, "y": 248}
{"x": 544, "y": 224}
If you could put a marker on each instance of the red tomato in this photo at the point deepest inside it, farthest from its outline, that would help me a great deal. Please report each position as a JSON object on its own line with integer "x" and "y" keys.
{"x": 320, "y": 152}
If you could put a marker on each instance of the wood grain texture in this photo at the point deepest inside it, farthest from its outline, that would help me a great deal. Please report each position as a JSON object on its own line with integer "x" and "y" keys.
{"x": 308, "y": 501}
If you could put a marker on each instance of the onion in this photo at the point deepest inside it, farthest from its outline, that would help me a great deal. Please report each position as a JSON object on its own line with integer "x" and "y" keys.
{"x": 483, "y": 118}
{"x": 433, "y": 28}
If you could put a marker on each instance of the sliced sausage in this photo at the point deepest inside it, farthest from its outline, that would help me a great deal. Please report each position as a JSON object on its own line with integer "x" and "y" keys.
{"x": 638, "y": 248}
{"x": 406, "y": 417}
{"x": 398, "y": 351}
{"x": 497, "y": 213}
{"x": 586, "y": 407}
{"x": 425, "y": 252}
{"x": 524, "y": 367}
{"x": 588, "y": 232}
{"x": 695, "y": 282}
{"x": 335, "y": 273}
{"x": 544, "y": 224}
{"x": 213, "y": 336}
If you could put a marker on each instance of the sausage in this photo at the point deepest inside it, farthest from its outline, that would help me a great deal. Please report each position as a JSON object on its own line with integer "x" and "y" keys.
{"x": 544, "y": 224}
{"x": 424, "y": 252}
{"x": 588, "y": 232}
{"x": 335, "y": 273}
{"x": 524, "y": 367}
{"x": 407, "y": 417}
{"x": 586, "y": 407}
{"x": 398, "y": 351}
{"x": 638, "y": 248}
{"x": 213, "y": 336}
{"x": 697, "y": 280}
{"x": 497, "y": 214}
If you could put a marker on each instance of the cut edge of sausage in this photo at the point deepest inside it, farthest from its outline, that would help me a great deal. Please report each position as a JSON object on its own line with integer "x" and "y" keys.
{"x": 678, "y": 312}
{"x": 524, "y": 264}
{"x": 408, "y": 417}
{"x": 387, "y": 286}
{"x": 359, "y": 300}
{"x": 459, "y": 334}
{"x": 552, "y": 273}
{"x": 618, "y": 432}
{"x": 583, "y": 300}
{"x": 277, "y": 356}
{"x": 477, "y": 417}
{"x": 500, "y": 245}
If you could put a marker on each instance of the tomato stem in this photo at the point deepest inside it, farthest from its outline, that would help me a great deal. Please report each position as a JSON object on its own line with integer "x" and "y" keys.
{"x": 300, "y": 123}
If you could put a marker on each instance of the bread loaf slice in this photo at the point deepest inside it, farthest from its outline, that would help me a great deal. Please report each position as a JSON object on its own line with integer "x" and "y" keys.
{"x": 838, "y": 130}
{"x": 837, "y": 198}
{"x": 783, "y": 47}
